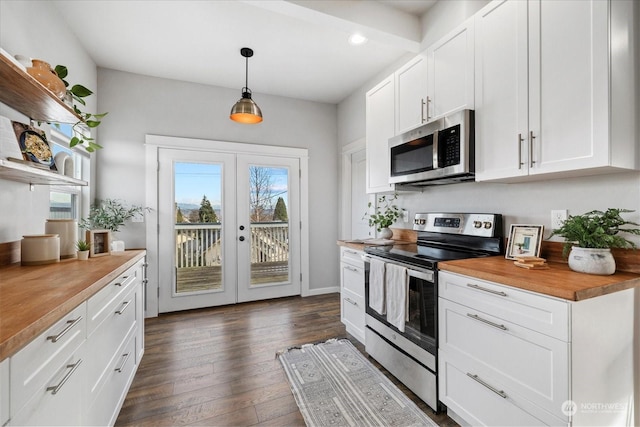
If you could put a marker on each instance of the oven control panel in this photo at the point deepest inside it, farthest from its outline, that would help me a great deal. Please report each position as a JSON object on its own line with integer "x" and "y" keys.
{"x": 470, "y": 224}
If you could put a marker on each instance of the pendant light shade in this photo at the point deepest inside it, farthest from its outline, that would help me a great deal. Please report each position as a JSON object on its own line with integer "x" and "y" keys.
{"x": 246, "y": 110}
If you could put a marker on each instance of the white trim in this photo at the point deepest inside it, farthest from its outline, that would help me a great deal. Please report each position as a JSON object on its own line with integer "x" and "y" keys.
{"x": 154, "y": 142}
{"x": 345, "y": 205}
{"x": 323, "y": 291}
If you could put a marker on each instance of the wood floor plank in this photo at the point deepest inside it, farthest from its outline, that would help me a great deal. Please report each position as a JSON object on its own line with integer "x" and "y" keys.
{"x": 218, "y": 366}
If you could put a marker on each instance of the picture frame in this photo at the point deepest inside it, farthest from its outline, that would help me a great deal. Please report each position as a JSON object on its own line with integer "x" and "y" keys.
{"x": 100, "y": 241}
{"x": 524, "y": 240}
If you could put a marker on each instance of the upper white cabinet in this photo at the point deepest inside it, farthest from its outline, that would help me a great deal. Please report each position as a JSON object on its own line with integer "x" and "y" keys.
{"x": 411, "y": 94}
{"x": 380, "y": 110}
{"x": 552, "y": 92}
{"x": 450, "y": 72}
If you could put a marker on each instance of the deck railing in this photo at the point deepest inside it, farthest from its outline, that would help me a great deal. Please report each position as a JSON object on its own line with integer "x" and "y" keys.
{"x": 200, "y": 245}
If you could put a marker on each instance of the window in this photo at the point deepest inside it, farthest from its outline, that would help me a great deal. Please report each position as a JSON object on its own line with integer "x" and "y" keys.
{"x": 65, "y": 201}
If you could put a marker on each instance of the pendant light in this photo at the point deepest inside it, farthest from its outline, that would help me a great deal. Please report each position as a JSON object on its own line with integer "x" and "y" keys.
{"x": 245, "y": 110}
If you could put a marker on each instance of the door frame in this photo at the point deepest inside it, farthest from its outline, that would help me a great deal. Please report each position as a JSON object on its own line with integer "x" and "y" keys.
{"x": 345, "y": 181}
{"x": 155, "y": 142}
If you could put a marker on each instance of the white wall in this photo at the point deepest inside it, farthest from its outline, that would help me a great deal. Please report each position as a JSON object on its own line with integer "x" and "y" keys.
{"x": 140, "y": 105}
{"x": 32, "y": 28}
{"x": 519, "y": 203}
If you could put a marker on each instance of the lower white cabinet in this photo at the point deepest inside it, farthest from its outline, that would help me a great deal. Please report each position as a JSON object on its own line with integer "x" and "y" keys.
{"x": 79, "y": 370}
{"x": 352, "y": 308}
{"x": 512, "y": 357}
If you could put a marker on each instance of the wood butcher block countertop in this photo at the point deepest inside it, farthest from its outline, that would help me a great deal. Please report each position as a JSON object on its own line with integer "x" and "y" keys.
{"x": 33, "y": 298}
{"x": 558, "y": 281}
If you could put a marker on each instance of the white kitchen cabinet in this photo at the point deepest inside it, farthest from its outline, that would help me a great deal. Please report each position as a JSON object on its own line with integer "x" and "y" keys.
{"x": 553, "y": 90}
{"x": 513, "y": 357}
{"x": 4, "y": 391}
{"x": 450, "y": 73}
{"x": 411, "y": 94}
{"x": 380, "y": 126}
{"x": 352, "y": 303}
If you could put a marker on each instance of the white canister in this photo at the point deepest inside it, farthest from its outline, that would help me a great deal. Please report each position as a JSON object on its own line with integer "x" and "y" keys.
{"x": 38, "y": 249}
{"x": 67, "y": 229}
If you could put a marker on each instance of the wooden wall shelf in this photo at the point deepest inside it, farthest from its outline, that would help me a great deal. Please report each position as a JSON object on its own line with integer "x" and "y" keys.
{"x": 23, "y": 93}
{"x": 33, "y": 175}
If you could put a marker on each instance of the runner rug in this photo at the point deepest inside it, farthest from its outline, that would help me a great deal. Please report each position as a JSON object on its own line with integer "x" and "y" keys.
{"x": 334, "y": 384}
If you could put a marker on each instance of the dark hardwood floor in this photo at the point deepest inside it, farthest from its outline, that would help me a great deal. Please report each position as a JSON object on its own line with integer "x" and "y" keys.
{"x": 218, "y": 366}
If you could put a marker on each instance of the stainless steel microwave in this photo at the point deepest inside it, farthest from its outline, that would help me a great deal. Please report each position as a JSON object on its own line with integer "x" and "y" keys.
{"x": 439, "y": 152}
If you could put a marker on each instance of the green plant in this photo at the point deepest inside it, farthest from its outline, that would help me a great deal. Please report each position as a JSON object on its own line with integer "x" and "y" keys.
{"x": 82, "y": 245}
{"x": 77, "y": 93}
{"x": 385, "y": 213}
{"x": 109, "y": 215}
{"x": 596, "y": 229}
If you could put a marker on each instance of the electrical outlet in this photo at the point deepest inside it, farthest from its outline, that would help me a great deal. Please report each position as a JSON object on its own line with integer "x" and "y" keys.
{"x": 405, "y": 215}
{"x": 138, "y": 217}
{"x": 558, "y": 217}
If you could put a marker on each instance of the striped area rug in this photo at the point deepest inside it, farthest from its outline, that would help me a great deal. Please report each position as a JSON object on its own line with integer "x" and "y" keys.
{"x": 334, "y": 384}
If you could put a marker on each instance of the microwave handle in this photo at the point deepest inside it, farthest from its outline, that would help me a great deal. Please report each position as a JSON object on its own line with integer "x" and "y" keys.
{"x": 435, "y": 150}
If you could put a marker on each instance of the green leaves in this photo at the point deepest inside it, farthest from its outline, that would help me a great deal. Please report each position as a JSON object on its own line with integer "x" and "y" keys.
{"x": 386, "y": 213}
{"x": 110, "y": 214}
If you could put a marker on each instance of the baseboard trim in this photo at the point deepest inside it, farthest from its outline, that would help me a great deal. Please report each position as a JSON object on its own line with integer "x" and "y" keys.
{"x": 322, "y": 291}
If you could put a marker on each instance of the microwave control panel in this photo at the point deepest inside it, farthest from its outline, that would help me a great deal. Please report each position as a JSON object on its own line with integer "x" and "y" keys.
{"x": 449, "y": 142}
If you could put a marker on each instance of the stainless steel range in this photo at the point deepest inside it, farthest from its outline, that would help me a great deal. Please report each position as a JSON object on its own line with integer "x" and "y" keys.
{"x": 409, "y": 350}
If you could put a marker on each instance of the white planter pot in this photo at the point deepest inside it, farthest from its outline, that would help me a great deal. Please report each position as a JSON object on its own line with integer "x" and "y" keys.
{"x": 385, "y": 233}
{"x": 592, "y": 261}
{"x": 83, "y": 255}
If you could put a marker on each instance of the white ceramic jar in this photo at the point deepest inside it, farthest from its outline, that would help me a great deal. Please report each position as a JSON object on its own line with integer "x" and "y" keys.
{"x": 38, "y": 249}
{"x": 67, "y": 229}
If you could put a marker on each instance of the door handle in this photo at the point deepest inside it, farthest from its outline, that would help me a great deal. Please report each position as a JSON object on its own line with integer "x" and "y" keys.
{"x": 241, "y": 238}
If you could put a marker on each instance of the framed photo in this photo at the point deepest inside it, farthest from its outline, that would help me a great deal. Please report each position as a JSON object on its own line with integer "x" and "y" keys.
{"x": 100, "y": 241}
{"x": 524, "y": 240}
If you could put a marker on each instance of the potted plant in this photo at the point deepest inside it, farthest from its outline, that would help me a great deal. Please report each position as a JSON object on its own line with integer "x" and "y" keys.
{"x": 385, "y": 214}
{"x": 77, "y": 93}
{"x": 110, "y": 214}
{"x": 590, "y": 238}
{"x": 82, "y": 248}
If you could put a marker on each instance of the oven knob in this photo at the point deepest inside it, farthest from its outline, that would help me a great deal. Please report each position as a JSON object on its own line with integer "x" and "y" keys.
{"x": 487, "y": 224}
{"x": 423, "y": 221}
{"x": 477, "y": 224}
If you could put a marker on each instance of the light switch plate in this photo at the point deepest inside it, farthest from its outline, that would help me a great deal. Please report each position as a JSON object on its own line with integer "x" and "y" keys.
{"x": 558, "y": 217}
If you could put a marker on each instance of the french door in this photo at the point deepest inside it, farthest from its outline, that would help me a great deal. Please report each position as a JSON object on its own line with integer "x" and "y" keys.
{"x": 228, "y": 228}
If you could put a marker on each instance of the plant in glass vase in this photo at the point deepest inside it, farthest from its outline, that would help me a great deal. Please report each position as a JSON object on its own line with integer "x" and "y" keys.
{"x": 384, "y": 215}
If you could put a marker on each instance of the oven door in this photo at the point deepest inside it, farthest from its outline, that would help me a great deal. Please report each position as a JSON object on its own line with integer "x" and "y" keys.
{"x": 421, "y": 328}
{"x": 412, "y": 160}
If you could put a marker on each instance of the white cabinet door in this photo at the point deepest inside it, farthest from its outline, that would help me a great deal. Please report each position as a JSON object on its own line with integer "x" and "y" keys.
{"x": 4, "y": 391}
{"x": 451, "y": 72}
{"x": 411, "y": 94}
{"x": 569, "y": 104}
{"x": 380, "y": 124}
{"x": 501, "y": 86}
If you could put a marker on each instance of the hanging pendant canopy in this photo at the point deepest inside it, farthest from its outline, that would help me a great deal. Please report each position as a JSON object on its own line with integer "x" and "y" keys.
{"x": 246, "y": 110}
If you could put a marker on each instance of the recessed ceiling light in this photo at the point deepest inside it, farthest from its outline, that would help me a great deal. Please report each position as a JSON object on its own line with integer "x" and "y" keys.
{"x": 357, "y": 39}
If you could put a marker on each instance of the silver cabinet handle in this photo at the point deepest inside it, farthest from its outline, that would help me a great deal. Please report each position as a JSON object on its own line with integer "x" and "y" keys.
{"x": 488, "y": 322}
{"x": 500, "y": 393}
{"x": 348, "y": 267}
{"x": 124, "y": 307}
{"x": 520, "y": 141}
{"x": 428, "y": 102}
{"x": 531, "y": 161}
{"x": 491, "y": 291}
{"x": 124, "y": 362}
{"x": 350, "y": 301}
{"x": 70, "y": 324}
{"x": 351, "y": 252}
{"x": 422, "y": 105}
{"x": 56, "y": 388}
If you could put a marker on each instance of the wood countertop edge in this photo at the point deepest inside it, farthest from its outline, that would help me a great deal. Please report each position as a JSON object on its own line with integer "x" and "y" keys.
{"x": 15, "y": 343}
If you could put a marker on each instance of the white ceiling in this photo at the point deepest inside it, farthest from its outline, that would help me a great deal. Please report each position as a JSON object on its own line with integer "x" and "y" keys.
{"x": 300, "y": 46}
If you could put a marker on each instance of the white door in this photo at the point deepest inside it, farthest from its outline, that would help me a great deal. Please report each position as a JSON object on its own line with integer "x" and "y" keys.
{"x": 211, "y": 250}
{"x": 359, "y": 198}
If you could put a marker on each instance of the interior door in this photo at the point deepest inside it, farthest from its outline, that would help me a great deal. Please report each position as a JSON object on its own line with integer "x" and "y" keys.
{"x": 226, "y": 231}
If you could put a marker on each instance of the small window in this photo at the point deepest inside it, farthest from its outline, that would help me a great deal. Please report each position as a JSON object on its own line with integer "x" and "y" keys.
{"x": 65, "y": 201}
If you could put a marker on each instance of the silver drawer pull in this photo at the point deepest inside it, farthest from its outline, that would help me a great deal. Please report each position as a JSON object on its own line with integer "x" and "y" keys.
{"x": 351, "y": 268}
{"x": 124, "y": 307}
{"x": 70, "y": 324}
{"x": 500, "y": 393}
{"x": 350, "y": 252}
{"x": 124, "y": 362}
{"x": 488, "y": 322}
{"x": 56, "y": 388}
{"x": 124, "y": 278}
{"x": 491, "y": 291}
{"x": 350, "y": 301}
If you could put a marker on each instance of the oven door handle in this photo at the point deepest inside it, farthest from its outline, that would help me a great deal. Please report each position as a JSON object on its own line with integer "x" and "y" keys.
{"x": 423, "y": 275}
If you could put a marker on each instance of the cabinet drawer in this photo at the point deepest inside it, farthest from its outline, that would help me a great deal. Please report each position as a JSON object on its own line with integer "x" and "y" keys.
{"x": 118, "y": 375}
{"x": 34, "y": 365}
{"x": 352, "y": 256}
{"x": 352, "y": 278}
{"x": 60, "y": 400}
{"x": 476, "y": 403}
{"x": 109, "y": 336}
{"x": 100, "y": 306}
{"x": 353, "y": 310}
{"x": 542, "y": 314}
{"x": 533, "y": 365}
